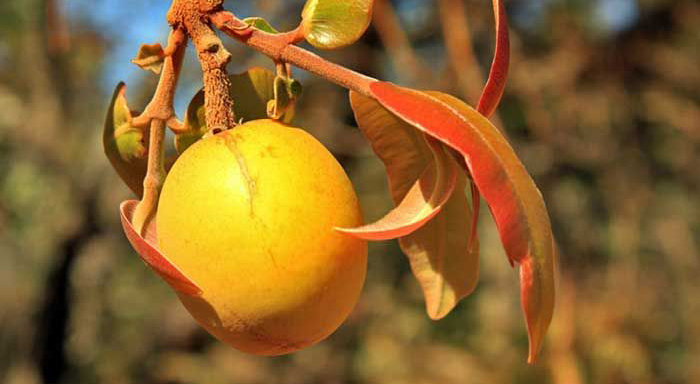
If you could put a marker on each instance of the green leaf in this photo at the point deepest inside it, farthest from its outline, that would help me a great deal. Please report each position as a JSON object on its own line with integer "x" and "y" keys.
{"x": 329, "y": 24}
{"x": 150, "y": 58}
{"x": 124, "y": 144}
{"x": 195, "y": 124}
{"x": 294, "y": 88}
{"x": 285, "y": 91}
{"x": 261, "y": 24}
{"x": 444, "y": 265}
{"x": 251, "y": 91}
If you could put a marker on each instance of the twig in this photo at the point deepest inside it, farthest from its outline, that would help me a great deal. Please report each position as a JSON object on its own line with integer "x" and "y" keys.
{"x": 161, "y": 105}
{"x": 158, "y": 111}
{"x": 155, "y": 176}
{"x": 279, "y": 48}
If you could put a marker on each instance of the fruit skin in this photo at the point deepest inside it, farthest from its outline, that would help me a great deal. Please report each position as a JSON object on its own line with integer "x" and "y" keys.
{"x": 248, "y": 214}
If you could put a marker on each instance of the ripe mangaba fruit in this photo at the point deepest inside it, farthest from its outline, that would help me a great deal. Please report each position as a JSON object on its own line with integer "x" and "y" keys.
{"x": 249, "y": 215}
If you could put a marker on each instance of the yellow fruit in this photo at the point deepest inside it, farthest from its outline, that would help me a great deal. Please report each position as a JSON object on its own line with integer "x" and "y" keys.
{"x": 248, "y": 215}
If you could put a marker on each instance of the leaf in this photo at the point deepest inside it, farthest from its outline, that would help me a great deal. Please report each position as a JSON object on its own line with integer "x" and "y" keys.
{"x": 515, "y": 202}
{"x": 330, "y": 24}
{"x": 195, "y": 124}
{"x": 496, "y": 83}
{"x": 294, "y": 88}
{"x": 261, "y": 24}
{"x": 401, "y": 147}
{"x": 441, "y": 259}
{"x": 150, "y": 58}
{"x": 284, "y": 98}
{"x": 124, "y": 144}
{"x": 148, "y": 251}
{"x": 251, "y": 91}
{"x": 422, "y": 202}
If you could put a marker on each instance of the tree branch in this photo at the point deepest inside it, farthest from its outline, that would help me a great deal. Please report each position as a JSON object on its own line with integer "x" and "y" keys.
{"x": 279, "y": 48}
{"x": 161, "y": 105}
{"x": 213, "y": 58}
{"x": 158, "y": 111}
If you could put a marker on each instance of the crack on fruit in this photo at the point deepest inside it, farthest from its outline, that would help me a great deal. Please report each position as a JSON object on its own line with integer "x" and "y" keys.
{"x": 251, "y": 185}
{"x": 272, "y": 258}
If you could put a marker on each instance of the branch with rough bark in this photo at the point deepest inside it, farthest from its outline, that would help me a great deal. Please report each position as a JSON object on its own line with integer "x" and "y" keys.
{"x": 280, "y": 48}
{"x": 193, "y": 19}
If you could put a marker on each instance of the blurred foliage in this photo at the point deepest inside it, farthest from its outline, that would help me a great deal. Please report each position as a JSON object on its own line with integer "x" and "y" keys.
{"x": 605, "y": 116}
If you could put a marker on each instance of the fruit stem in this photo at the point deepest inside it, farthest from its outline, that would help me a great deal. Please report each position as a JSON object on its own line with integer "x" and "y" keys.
{"x": 161, "y": 105}
{"x": 157, "y": 112}
{"x": 155, "y": 176}
{"x": 280, "y": 48}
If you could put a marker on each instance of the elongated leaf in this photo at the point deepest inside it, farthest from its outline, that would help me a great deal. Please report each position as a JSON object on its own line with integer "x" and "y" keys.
{"x": 329, "y": 24}
{"x": 515, "y": 202}
{"x": 401, "y": 147}
{"x": 124, "y": 145}
{"x": 444, "y": 264}
{"x": 148, "y": 251}
{"x": 441, "y": 258}
{"x": 496, "y": 83}
{"x": 422, "y": 202}
{"x": 251, "y": 91}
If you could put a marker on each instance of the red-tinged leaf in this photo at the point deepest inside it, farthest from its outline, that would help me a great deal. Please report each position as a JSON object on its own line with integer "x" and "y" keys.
{"x": 445, "y": 265}
{"x": 401, "y": 147}
{"x": 496, "y": 83}
{"x": 441, "y": 258}
{"x": 422, "y": 202}
{"x": 146, "y": 248}
{"x": 476, "y": 200}
{"x": 515, "y": 202}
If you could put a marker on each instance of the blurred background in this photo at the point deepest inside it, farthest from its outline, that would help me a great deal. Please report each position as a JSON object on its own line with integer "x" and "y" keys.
{"x": 603, "y": 106}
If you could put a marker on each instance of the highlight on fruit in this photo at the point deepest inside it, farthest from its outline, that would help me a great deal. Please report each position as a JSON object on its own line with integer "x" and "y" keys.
{"x": 256, "y": 226}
